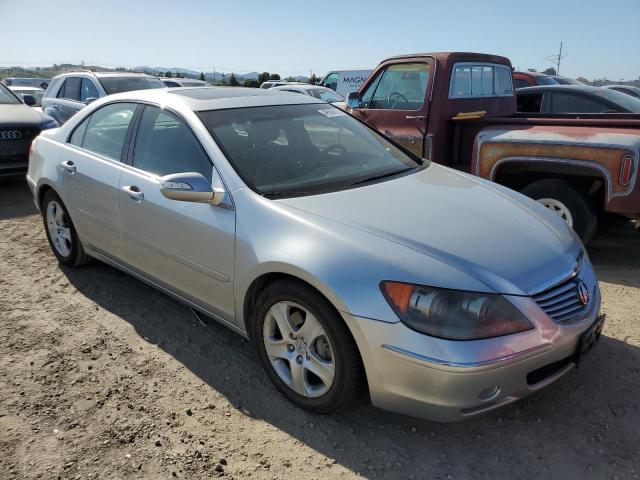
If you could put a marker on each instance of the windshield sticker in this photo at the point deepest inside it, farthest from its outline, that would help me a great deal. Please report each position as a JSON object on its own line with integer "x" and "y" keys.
{"x": 331, "y": 112}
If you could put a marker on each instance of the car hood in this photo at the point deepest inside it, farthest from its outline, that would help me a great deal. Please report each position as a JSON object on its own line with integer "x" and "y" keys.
{"x": 20, "y": 115}
{"x": 505, "y": 240}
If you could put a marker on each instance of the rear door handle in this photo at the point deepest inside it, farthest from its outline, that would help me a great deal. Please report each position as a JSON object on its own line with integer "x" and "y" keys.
{"x": 133, "y": 192}
{"x": 415, "y": 117}
{"x": 69, "y": 166}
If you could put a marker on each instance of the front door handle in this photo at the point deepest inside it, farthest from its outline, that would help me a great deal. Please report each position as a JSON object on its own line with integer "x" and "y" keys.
{"x": 416, "y": 117}
{"x": 69, "y": 166}
{"x": 133, "y": 192}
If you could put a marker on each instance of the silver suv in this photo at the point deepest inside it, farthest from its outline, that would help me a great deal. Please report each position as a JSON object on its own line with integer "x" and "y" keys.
{"x": 72, "y": 91}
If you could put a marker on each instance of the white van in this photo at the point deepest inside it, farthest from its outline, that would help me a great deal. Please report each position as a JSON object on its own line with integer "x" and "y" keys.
{"x": 345, "y": 81}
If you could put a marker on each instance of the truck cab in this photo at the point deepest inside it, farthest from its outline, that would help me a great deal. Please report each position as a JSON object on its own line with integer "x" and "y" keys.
{"x": 459, "y": 109}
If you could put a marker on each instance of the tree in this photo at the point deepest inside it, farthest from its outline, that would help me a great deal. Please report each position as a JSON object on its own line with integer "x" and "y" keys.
{"x": 233, "y": 81}
{"x": 274, "y": 76}
{"x": 201, "y": 76}
{"x": 549, "y": 71}
{"x": 531, "y": 70}
{"x": 290, "y": 79}
{"x": 313, "y": 79}
{"x": 263, "y": 77}
{"x": 251, "y": 83}
{"x": 168, "y": 74}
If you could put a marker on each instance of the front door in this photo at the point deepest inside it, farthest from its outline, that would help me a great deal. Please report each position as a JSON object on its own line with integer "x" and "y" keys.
{"x": 395, "y": 103}
{"x": 90, "y": 166}
{"x": 186, "y": 247}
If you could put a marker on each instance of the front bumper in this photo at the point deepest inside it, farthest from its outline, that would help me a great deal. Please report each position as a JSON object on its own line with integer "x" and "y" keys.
{"x": 444, "y": 380}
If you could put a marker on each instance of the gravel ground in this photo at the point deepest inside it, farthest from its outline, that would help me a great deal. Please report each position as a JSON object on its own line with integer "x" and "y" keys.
{"x": 103, "y": 377}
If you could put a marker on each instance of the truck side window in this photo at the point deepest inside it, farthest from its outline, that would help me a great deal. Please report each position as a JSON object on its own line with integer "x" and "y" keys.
{"x": 401, "y": 87}
{"x": 331, "y": 81}
{"x": 480, "y": 80}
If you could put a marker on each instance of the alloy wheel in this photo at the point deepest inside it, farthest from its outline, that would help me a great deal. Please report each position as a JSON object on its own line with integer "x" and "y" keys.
{"x": 59, "y": 230}
{"x": 299, "y": 349}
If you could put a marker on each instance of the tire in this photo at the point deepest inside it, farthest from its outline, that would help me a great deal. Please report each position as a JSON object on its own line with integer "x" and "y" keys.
{"x": 561, "y": 196}
{"x": 348, "y": 380}
{"x": 55, "y": 216}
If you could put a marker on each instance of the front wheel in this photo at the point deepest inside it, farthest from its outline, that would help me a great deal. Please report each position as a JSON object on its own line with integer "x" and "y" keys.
{"x": 564, "y": 200}
{"x": 306, "y": 348}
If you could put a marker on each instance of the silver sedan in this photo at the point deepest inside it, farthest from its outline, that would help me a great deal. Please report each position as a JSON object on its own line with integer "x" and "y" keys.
{"x": 354, "y": 267}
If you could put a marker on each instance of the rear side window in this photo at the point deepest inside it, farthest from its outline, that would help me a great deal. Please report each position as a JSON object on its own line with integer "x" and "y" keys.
{"x": 106, "y": 129}
{"x": 570, "y": 103}
{"x": 520, "y": 83}
{"x": 165, "y": 145}
{"x": 70, "y": 90}
{"x": 480, "y": 80}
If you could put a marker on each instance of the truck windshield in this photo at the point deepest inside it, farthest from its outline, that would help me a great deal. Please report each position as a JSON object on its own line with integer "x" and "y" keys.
{"x": 545, "y": 80}
{"x": 126, "y": 84}
{"x": 625, "y": 101}
{"x": 6, "y": 97}
{"x": 292, "y": 150}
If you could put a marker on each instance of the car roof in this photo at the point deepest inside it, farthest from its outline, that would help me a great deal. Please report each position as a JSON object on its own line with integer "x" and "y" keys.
{"x": 214, "y": 98}
{"x": 560, "y": 88}
{"x": 533, "y": 74}
{"x": 102, "y": 74}
{"x": 455, "y": 57}
{"x": 632, "y": 87}
{"x": 301, "y": 86}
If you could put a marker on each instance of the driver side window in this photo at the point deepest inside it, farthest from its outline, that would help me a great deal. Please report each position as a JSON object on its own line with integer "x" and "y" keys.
{"x": 400, "y": 87}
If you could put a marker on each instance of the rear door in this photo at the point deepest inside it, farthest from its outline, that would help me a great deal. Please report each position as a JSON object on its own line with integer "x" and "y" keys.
{"x": 395, "y": 102}
{"x": 183, "y": 246}
{"x": 90, "y": 168}
{"x": 67, "y": 101}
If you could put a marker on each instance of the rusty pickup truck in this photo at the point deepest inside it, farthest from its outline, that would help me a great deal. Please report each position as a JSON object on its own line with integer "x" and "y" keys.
{"x": 459, "y": 109}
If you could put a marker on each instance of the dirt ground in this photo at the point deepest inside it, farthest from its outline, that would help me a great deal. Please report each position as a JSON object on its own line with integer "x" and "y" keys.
{"x": 103, "y": 377}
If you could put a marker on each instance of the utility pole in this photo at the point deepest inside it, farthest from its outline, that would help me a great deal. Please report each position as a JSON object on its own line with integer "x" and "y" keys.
{"x": 559, "y": 59}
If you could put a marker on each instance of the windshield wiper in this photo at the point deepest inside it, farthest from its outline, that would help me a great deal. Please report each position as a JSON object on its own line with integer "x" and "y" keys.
{"x": 382, "y": 175}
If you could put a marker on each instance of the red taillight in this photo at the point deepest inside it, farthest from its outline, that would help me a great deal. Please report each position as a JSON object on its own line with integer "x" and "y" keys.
{"x": 626, "y": 170}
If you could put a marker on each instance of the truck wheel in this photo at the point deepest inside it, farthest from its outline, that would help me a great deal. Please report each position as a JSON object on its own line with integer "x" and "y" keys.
{"x": 563, "y": 199}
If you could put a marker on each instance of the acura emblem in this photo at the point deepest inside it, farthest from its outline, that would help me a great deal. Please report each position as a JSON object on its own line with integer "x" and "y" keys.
{"x": 10, "y": 135}
{"x": 583, "y": 292}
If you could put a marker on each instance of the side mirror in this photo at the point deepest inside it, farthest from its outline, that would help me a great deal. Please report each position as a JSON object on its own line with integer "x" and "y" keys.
{"x": 28, "y": 99}
{"x": 354, "y": 100}
{"x": 193, "y": 187}
{"x": 90, "y": 100}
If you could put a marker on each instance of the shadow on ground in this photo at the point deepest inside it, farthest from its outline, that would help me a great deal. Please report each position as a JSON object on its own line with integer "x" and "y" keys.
{"x": 560, "y": 429}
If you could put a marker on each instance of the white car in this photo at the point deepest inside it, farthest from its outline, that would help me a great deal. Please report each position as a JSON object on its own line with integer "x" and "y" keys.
{"x": 35, "y": 92}
{"x": 315, "y": 91}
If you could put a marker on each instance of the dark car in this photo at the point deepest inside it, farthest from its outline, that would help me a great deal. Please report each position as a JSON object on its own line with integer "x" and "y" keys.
{"x": 532, "y": 79}
{"x": 627, "y": 89}
{"x": 19, "y": 125}
{"x": 574, "y": 99}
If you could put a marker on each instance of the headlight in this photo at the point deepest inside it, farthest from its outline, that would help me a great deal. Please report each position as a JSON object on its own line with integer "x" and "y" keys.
{"x": 50, "y": 124}
{"x": 454, "y": 314}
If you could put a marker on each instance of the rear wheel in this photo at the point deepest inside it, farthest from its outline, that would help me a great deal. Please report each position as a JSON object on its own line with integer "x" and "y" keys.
{"x": 306, "y": 348}
{"x": 61, "y": 233}
{"x": 562, "y": 198}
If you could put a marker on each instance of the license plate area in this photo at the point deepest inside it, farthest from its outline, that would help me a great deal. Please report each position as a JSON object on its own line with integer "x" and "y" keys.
{"x": 588, "y": 339}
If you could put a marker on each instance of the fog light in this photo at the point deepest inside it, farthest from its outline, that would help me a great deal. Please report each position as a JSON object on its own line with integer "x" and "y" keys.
{"x": 489, "y": 393}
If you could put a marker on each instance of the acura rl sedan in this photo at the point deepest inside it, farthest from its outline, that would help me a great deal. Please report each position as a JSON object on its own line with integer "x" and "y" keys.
{"x": 357, "y": 269}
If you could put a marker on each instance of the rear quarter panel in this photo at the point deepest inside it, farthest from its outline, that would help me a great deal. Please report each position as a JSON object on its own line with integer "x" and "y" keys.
{"x": 43, "y": 169}
{"x": 603, "y": 150}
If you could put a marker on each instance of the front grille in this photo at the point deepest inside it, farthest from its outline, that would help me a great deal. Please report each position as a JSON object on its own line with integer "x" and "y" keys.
{"x": 562, "y": 302}
{"x": 542, "y": 373}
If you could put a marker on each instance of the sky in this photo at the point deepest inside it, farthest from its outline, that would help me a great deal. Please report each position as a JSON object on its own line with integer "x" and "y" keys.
{"x": 601, "y": 39}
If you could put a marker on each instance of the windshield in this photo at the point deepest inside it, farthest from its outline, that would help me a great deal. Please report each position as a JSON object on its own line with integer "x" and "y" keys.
{"x": 545, "y": 80}
{"x": 6, "y": 97}
{"x": 325, "y": 94}
{"x": 623, "y": 100}
{"x": 126, "y": 84}
{"x": 290, "y": 150}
